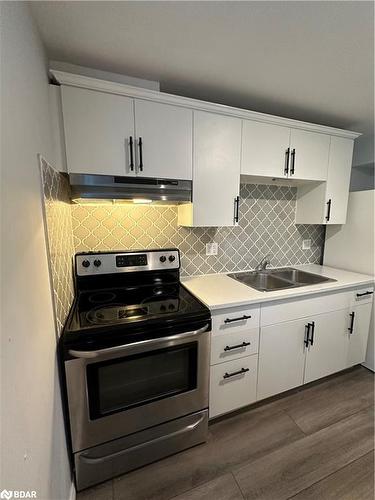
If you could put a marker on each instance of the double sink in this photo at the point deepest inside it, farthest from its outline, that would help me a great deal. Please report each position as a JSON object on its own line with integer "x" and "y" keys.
{"x": 269, "y": 280}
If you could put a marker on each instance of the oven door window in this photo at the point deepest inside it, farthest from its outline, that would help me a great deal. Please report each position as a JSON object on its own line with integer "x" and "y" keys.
{"x": 123, "y": 383}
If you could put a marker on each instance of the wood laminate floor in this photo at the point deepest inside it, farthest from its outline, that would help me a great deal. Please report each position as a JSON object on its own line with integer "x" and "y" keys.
{"x": 315, "y": 443}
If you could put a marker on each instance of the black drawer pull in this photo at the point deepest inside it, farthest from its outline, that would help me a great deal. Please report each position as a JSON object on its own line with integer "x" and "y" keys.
{"x": 364, "y": 293}
{"x": 131, "y": 165}
{"x": 329, "y": 204}
{"x": 307, "y": 334}
{"x": 140, "y": 145}
{"x": 240, "y": 372}
{"x": 351, "y": 322}
{"x": 286, "y": 167}
{"x": 293, "y": 157}
{"x": 230, "y": 320}
{"x": 230, "y": 347}
{"x": 311, "y": 339}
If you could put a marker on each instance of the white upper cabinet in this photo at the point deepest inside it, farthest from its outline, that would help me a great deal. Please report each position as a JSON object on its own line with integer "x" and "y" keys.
{"x": 216, "y": 171}
{"x": 327, "y": 202}
{"x": 337, "y": 190}
{"x": 264, "y": 149}
{"x": 309, "y": 153}
{"x": 275, "y": 151}
{"x": 165, "y": 133}
{"x": 111, "y": 134}
{"x": 98, "y": 128}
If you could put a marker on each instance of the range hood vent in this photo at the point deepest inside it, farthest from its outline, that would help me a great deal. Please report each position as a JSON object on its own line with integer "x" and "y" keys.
{"x": 136, "y": 189}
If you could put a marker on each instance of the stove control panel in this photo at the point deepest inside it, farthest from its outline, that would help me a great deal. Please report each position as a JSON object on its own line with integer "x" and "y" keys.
{"x": 88, "y": 264}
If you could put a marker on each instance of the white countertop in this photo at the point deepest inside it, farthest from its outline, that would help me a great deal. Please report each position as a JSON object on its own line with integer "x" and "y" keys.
{"x": 219, "y": 290}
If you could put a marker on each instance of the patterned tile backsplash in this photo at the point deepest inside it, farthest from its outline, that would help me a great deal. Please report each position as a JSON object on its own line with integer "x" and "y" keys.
{"x": 58, "y": 223}
{"x": 266, "y": 227}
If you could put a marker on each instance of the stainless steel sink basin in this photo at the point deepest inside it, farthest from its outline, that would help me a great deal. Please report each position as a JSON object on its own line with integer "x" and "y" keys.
{"x": 278, "y": 279}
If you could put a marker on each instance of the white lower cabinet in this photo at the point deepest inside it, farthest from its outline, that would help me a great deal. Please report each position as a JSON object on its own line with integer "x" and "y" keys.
{"x": 299, "y": 341}
{"x": 233, "y": 385}
{"x": 281, "y": 357}
{"x": 358, "y": 333}
{"x": 329, "y": 345}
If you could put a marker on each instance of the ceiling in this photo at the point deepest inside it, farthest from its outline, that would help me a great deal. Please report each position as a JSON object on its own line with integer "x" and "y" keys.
{"x": 304, "y": 60}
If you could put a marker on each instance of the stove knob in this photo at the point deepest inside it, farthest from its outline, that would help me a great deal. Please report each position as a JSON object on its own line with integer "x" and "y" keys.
{"x": 97, "y": 263}
{"x": 86, "y": 263}
{"x": 163, "y": 258}
{"x": 172, "y": 258}
{"x": 163, "y": 308}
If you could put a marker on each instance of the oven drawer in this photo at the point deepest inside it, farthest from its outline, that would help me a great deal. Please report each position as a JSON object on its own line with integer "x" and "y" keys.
{"x": 233, "y": 385}
{"x": 233, "y": 345}
{"x": 122, "y": 455}
{"x": 235, "y": 320}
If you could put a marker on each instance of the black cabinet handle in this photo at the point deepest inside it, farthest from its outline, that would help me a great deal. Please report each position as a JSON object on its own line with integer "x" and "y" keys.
{"x": 329, "y": 203}
{"x": 131, "y": 165}
{"x": 364, "y": 293}
{"x": 243, "y": 370}
{"x": 351, "y": 322}
{"x": 286, "y": 167}
{"x": 140, "y": 144}
{"x": 293, "y": 158}
{"x": 307, "y": 334}
{"x": 311, "y": 339}
{"x": 236, "y": 208}
{"x": 229, "y": 348}
{"x": 230, "y": 320}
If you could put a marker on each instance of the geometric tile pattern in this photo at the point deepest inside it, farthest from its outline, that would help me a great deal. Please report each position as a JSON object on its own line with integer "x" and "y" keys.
{"x": 59, "y": 239}
{"x": 266, "y": 226}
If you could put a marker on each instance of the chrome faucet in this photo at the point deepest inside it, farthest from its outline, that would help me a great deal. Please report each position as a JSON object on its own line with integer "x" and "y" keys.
{"x": 263, "y": 263}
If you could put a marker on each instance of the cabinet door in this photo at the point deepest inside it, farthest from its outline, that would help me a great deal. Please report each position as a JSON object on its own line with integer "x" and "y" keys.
{"x": 216, "y": 169}
{"x": 311, "y": 151}
{"x": 166, "y": 134}
{"x": 264, "y": 149}
{"x": 329, "y": 351}
{"x": 338, "y": 180}
{"x": 360, "y": 324}
{"x": 281, "y": 357}
{"x": 97, "y": 127}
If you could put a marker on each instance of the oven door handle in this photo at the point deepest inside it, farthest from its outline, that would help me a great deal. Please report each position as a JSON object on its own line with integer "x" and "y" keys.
{"x": 159, "y": 439}
{"x": 129, "y": 347}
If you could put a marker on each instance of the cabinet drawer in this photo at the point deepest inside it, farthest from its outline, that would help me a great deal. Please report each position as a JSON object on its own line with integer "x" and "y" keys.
{"x": 233, "y": 345}
{"x": 230, "y": 390}
{"x": 235, "y": 320}
{"x": 362, "y": 296}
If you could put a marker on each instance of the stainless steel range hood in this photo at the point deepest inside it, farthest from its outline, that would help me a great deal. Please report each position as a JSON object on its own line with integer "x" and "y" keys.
{"x": 133, "y": 189}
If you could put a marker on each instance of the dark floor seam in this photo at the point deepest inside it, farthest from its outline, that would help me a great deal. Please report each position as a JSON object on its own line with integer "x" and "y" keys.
{"x": 239, "y": 487}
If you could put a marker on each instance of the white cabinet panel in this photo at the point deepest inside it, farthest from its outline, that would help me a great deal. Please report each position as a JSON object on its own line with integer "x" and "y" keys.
{"x": 264, "y": 149}
{"x": 216, "y": 170}
{"x": 233, "y": 345}
{"x": 328, "y": 352}
{"x": 166, "y": 133}
{"x": 281, "y": 357}
{"x": 97, "y": 127}
{"x": 359, "y": 327}
{"x": 309, "y": 155}
{"x": 338, "y": 180}
{"x": 232, "y": 385}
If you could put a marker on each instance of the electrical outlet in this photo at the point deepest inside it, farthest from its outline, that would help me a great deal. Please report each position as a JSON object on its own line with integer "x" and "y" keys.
{"x": 212, "y": 248}
{"x": 306, "y": 244}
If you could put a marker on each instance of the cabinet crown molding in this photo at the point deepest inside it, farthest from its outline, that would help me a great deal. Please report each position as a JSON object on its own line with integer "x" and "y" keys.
{"x": 90, "y": 83}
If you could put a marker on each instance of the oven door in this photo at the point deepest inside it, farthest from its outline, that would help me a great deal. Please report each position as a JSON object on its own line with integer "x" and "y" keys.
{"x": 119, "y": 390}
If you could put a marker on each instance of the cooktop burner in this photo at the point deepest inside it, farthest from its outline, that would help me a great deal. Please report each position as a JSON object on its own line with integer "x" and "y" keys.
{"x": 129, "y": 292}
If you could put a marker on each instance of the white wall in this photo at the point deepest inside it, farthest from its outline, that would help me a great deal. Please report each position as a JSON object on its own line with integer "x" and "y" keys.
{"x": 33, "y": 447}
